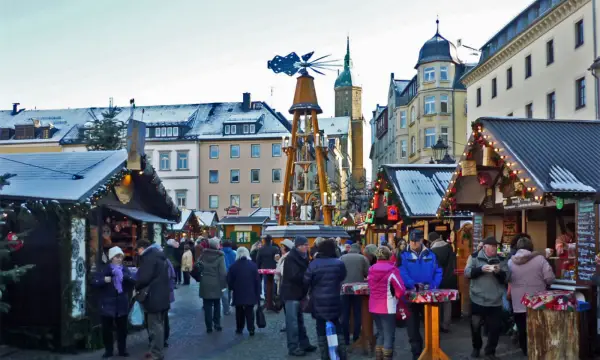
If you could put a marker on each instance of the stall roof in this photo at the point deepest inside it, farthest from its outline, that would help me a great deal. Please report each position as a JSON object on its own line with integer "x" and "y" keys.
{"x": 140, "y": 215}
{"x": 185, "y": 216}
{"x": 65, "y": 176}
{"x": 264, "y": 211}
{"x": 207, "y": 218}
{"x": 420, "y": 187}
{"x": 244, "y": 220}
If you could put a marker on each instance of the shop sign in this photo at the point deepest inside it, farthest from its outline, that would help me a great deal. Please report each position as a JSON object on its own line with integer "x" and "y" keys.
{"x": 517, "y": 202}
{"x": 441, "y": 228}
{"x": 243, "y": 228}
{"x": 233, "y": 210}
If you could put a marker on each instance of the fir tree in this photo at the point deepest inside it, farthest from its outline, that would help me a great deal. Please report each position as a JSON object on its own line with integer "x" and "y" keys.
{"x": 107, "y": 133}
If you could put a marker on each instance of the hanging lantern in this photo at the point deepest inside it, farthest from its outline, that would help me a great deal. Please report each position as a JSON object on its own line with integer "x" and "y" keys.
{"x": 392, "y": 213}
{"x": 376, "y": 201}
{"x": 370, "y": 217}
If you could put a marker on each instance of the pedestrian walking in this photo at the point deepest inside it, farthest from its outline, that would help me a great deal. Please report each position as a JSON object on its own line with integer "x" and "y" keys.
{"x": 447, "y": 262}
{"x": 154, "y": 289}
{"x": 265, "y": 259}
{"x": 174, "y": 255}
{"x": 244, "y": 282}
{"x": 254, "y": 251}
{"x": 187, "y": 263}
{"x": 293, "y": 293}
{"x": 387, "y": 287}
{"x": 419, "y": 270}
{"x": 324, "y": 278}
{"x": 370, "y": 253}
{"x": 286, "y": 246}
{"x": 113, "y": 282}
{"x": 212, "y": 284}
{"x": 357, "y": 269}
{"x": 488, "y": 273}
{"x": 229, "y": 260}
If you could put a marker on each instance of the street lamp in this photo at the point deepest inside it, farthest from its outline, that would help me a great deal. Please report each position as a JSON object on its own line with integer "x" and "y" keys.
{"x": 440, "y": 153}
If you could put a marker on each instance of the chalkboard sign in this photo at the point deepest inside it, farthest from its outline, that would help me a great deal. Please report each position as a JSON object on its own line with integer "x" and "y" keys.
{"x": 477, "y": 230}
{"x": 586, "y": 239}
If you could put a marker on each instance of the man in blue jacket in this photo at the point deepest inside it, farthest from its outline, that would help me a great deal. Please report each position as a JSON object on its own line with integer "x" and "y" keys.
{"x": 419, "y": 270}
{"x": 229, "y": 260}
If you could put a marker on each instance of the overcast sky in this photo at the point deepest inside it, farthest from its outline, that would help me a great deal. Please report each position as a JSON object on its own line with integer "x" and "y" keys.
{"x": 78, "y": 53}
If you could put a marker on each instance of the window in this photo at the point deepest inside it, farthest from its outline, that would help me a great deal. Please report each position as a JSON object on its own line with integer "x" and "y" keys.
{"x": 169, "y": 131}
{"x": 252, "y": 129}
{"x": 429, "y": 137}
{"x": 255, "y": 150}
{"x": 403, "y": 149}
{"x": 430, "y": 105}
{"x": 529, "y": 111}
{"x": 175, "y": 131}
{"x": 246, "y": 129}
{"x": 243, "y": 237}
{"x": 182, "y": 160}
{"x": 234, "y": 200}
{"x": 234, "y": 151}
{"x": 444, "y": 73}
{"x": 579, "y": 33}
{"x": 147, "y": 132}
{"x": 233, "y": 129}
{"x": 494, "y": 88}
{"x": 551, "y": 105}
{"x": 255, "y": 200}
{"x": 413, "y": 115}
{"x": 276, "y": 175}
{"x": 23, "y": 132}
{"x": 527, "y": 66}
{"x": 429, "y": 74}
{"x": 509, "y": 78}
{"x": 444, "y": 134}
{"x": 213, "y": 201}
{"x": 227, "y": 129}
{"x": 214, "y": 151}
{"x": 478, "y": 97}
{"x": 181, "y": 196}
{"x": 276, "y": 150}
{"x": 444, "y": 104}
{"x": 163, "y": 132}
{"x": 213, "y": 176}
{"x": 234, "y": 176}
{"x": 413, "y": 145}
{"x": 403, "y": 119}
{"x": 580, "y": 93}
{"x": 255, "y": 175}
{"x": 549, "y": 52}
{"x": 165, "y": 161}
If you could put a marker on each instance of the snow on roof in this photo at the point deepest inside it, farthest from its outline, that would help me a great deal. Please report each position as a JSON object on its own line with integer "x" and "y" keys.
{"x": 206, "y": 217}
{"x": 157, "y": 114}
{"x": 245, "y": 117}
{"x": 264, "y": 211}
{"x": 50, "y": 175}
{"x": 564, "y": 180}
{"x": 335, "y": 125}
{"x": 185, "y": 215}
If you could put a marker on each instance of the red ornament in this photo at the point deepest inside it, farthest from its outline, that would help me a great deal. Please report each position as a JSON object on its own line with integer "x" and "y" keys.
{"x": 392, "y": 213}
{"x": 14, "y": 242}
{"x": 376, "y": 201}
{"x": 484, "y": 179}
{"x": 453, "y": 190}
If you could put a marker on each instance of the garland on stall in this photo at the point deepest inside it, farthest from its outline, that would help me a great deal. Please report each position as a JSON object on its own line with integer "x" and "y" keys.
{"x": 382, "y": 187}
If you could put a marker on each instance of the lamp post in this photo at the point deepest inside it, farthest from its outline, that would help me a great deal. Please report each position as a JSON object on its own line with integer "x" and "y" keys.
{"x": 595, "y": 70}
{"x": 440, "y": 154}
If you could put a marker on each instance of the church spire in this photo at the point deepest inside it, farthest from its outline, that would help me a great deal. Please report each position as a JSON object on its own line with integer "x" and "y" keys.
{"x": 347, "y": 60}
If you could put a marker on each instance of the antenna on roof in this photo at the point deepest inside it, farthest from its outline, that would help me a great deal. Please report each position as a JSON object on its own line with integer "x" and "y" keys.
{"x": 110, "y": 102}
{"x": 437, "y": 24}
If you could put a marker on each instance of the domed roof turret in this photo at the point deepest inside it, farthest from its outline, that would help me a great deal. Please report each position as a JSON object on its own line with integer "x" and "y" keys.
{"x": 437, "y": 48}
{"x": 346, "y": 77}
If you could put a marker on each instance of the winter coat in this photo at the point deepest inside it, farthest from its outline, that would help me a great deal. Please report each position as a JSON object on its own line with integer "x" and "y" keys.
{"x": 292, "y": 282}
{"x": 244, "y": 281}
{"x": 154, "y": 274}
{"x": 266, "y": 257}
{"x": 324, "y": 278}
{"x": 172, "y": 281}
{"x": 446, "y": 259}
{"x": 386, "y": 287}
{"x": 357, "y": 267}
{"x": 486, "y": 289}
{"x": 213, "y": 279}
{"x": 279, "y": 272}
{"x": 421, "y": 268}
{"x": 187, "y": 261}
{"x": 229, "y": 257}
{"x": 254, "y": 255}
{"x": 173, "y": 254}
{"x": 529, "y": 273}
{"x": 113, "y": 304}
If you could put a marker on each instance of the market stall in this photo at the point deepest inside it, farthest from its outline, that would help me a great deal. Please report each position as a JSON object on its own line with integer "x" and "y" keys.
{"x": 243, "y": 230}
{"x": 189, "y": 227}
{"x": 209, "y": 221}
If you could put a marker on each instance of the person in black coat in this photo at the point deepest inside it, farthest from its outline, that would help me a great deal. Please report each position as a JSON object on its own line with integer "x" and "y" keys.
{"x": 447, "y": 261}
{"x": 323, "y": 279}
{"x": 153, "y": 279}
{"x": 265, "y": 259}
{"x": 244, "y": 282}
{"x": 114, "y": 281}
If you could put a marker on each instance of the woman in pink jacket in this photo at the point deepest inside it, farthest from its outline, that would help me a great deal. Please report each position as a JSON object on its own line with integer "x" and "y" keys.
{"x": 386, "y": 288}
{"x": 529, "y": 273}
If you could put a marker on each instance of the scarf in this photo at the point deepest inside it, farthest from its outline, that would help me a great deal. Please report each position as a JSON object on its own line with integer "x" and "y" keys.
{"x": 117, "y": 272}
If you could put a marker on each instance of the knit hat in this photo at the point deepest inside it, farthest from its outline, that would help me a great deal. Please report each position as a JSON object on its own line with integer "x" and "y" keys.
{"x": 213, "y": 243}
{"x": 416, "y": 235}
{"x": 433, "y": 236}
{"x": 289, "y": 244}
{"x": 490, "y": 240}
{"x": 114, "y": 251}
{"x": 300, "y": 240}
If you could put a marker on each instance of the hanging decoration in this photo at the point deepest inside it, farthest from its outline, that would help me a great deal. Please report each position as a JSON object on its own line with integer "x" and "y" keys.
{"x": 386, "y": 198}
{"x": 392, "y": 213}
{"x": 14, "y": 242}
{"x": 370, "y": 217}
{"x": 376, "y": 201}
{"x": 484, "y": 179}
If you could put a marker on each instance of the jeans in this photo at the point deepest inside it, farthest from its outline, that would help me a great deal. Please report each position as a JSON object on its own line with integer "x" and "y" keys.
{"x": 156, "y": 330}
{"x": 492, "y": 315}
{"x": 446, "y": 319}
{"x": 212, "y": 313}
{"x": 295, "y": 329}
{"x": 413, "y": 328}
{"x": 186, "y": 278}
{"x": 244, "y": 313}
{"x": 385, "y": 324}
{"x": 225, "y": 301}
{"x": 521, "y": 322}
{"x": 351, "y": 303}
{"x": 108, "y": 325}
{"x": 177, "y": 273}
{"x": 264, "y": 283}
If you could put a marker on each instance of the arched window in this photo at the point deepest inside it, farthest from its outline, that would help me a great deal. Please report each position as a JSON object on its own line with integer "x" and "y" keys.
{"x": 413, "y": 114}
{"x": 413, "y": 145}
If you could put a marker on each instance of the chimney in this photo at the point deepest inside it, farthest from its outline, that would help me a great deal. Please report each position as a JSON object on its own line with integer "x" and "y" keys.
{"x": 246, "y": 103}
{"x": 392, "y": 76}
{"x": 15, "y": 110}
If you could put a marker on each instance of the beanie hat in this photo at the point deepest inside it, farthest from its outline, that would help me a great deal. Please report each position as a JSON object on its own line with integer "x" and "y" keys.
{"x": 416, "y": 235}
{"x": 114, "y": 251}
{"x": 348, "y": 242}
{"x": 300, "y": 240}
{"x": 213, "y": 243}
{"x": 288, "y": 244}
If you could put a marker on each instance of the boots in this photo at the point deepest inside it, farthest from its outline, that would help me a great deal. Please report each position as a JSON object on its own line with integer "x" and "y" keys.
{"x": 378, "y": 352}
{"x": 342, "y": 347}
{"x": 388, "y": 354}
{"x": 323, "y": 347}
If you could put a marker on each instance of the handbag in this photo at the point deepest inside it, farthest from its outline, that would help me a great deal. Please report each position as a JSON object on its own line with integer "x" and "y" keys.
{"x": 197, "y": 270}
{"x": 261, "y": 321}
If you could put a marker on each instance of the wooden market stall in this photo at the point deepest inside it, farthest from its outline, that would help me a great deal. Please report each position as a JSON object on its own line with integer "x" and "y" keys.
{"x": 209, "y": 221}
{"x": 243, "y": 230}
{"x": 190, "y": 226}
{"x": 83, "y": 203}
{"x": 515, "y": 178}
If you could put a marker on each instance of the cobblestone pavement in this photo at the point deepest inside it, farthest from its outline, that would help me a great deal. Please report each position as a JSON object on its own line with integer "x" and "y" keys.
{"x": 189, "y": 339}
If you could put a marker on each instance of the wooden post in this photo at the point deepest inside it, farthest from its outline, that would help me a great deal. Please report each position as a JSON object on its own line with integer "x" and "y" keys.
{"x": 552, "y": 335}
{"x": 289, "y": 169}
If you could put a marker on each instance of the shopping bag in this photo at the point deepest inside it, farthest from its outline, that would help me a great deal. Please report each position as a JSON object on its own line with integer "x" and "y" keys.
{"x": 261, "y": 322}
{"x": 136, "y": 315}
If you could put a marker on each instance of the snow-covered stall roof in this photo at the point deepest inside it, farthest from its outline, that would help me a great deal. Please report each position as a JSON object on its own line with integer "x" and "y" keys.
{"x": 185, "y": 216}
{"x": 207, "y": 218}
{"x": 335, "y": 126}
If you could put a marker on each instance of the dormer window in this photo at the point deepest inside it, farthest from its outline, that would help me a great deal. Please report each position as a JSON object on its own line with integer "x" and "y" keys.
{"x": 233, "y": 129}
{"x": 24, "y": 132}
{"x": 147, "y": 132}
{"x": 5, "y": 133}
{"x": 227, "y": 129}
{"x": 169, "y": 131}
{"x": 252, "y": 129}
{"x": 176, "y": 131}
{"x": 45, "y": 132}
{"x": 163, "y": 132}
{"x": 246, "y": 129}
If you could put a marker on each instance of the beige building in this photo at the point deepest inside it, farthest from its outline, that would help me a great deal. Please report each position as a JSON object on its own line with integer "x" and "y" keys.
{"x": 537, "y": 65}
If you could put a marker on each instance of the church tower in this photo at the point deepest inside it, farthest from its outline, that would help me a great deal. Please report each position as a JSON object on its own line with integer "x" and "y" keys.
{"x": 348, "y": 102}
